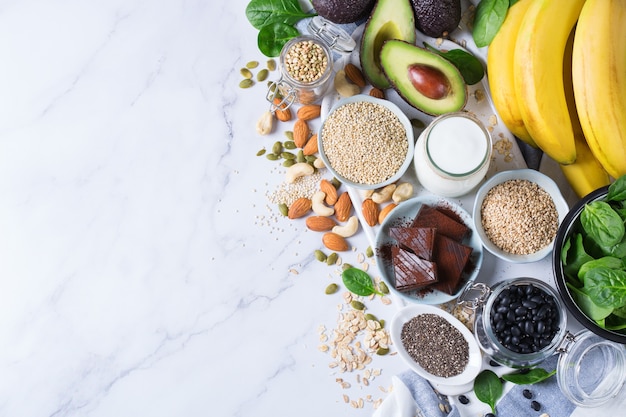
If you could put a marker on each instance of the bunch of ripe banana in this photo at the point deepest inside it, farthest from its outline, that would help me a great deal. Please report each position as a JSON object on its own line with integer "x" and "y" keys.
{"x": 557, "y": 75}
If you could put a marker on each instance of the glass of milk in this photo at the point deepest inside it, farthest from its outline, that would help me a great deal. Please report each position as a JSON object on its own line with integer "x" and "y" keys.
{"x": 452, "y": 155}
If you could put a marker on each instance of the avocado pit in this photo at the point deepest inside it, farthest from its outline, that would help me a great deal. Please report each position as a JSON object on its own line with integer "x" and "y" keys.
{"x": 429, "y": 81}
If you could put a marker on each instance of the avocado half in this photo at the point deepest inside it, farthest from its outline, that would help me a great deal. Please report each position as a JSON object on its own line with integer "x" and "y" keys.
{"x": 425, "y": 80}
{"x": 390, "y": 19}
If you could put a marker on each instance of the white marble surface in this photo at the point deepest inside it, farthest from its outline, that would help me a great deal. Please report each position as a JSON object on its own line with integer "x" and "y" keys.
{"x": 143, "y": 270}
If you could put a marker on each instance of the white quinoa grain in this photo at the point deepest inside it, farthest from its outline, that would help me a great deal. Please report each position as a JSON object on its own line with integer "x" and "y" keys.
{"x": 519, "y": 217}
{"x": 364, "y": 142}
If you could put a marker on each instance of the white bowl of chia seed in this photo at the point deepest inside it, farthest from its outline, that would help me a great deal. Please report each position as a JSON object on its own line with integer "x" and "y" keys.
{"x": 517, "y": 214}
{"x": 366, "y": 142}
{"x": 437, "y": 346}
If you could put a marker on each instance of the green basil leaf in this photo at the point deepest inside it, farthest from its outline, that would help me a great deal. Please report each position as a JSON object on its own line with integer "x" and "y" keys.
{"x": 531, "y": 376}
{"x": 617, "y": 190}
{"x": 274, "y": 36}
{"x": 261, "y": 13}
{"x": 359, "y": 282}
{"x": 602, "y": 223}
{"x": 606, "y": 287}
{"x": 488, "y": 388}
{"x": 469, "y": 66}
{"x": 490, "y": 15}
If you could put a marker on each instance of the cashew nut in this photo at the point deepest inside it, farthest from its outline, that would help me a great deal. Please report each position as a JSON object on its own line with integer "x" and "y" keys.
{"x": 367, "y": 193}
{"x": 403, "y": 191}
{"x": 297, "y": 170}
{"x": 343, "y": 86}
{"x": 348, "y": 229}
{"x": 265, "y": 124}
{"x": 318, "y": 205}
{"x": 383, "y": 195}
{"x": 319, "y": 163}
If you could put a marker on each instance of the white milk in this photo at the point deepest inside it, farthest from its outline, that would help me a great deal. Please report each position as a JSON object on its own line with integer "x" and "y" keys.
{"x": 452, "y": 155}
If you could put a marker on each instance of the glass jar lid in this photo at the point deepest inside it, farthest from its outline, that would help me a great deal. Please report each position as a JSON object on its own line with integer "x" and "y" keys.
{"x": 591, "y": 370}
{"x": 334, "y": 36}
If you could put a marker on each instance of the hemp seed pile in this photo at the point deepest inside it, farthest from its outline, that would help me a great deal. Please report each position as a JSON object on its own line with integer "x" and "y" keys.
{"x": 435, "y": 344}
{"x": 364, "y": 142}
{"x": 519, "y": 217}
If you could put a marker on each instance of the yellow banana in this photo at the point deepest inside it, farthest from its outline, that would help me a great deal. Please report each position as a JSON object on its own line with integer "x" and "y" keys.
{"x": 599, "y": 78}
{"x": 500, "y": 72}
{"x": 586, "y": 173}
{"x": 538, "y": 75}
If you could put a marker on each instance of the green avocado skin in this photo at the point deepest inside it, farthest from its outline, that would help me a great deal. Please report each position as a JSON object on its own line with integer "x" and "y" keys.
{"x": 343, "y": 11}
{"x": 437, "y": 18}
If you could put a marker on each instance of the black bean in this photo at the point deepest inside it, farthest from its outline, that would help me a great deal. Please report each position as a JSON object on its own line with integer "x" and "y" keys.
{"x": 490, "y": 415}
{"x": 527, "y": 394}
{"x": 463, "y": 399}
{"x": 541, "y": 327}
{"x": 529, "y": 304}
{"x": 528, "y": 327}
{"x": 515, "y": 331}
{"x": 535, "y": 405}
{"x": 521, "y": 311}
{"x": 494, "y": 363}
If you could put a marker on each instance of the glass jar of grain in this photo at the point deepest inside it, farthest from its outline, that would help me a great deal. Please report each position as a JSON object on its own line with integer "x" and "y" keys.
{"x": 306, "y": 64}
{"x": 521, "y": 322}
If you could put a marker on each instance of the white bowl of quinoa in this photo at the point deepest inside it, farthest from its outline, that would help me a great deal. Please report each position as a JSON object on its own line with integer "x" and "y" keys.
{"x": 366, "y": 142}
{"x": 517, "y": 214}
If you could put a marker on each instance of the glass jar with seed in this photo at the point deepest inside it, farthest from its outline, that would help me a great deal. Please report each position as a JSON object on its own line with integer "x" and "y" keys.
{"x": 306, "y": 63}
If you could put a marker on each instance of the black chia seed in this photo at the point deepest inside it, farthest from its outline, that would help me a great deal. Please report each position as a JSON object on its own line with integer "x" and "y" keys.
{"x": 436, "y": 345}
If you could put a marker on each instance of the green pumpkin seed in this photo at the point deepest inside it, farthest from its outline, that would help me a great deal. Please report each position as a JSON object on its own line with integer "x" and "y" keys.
{"x": 252, "y": 64}
{"x": 289, "y": 135}
{"x": 271, "y": 64}
{"x": 261, "y": 152}
{"x": 383, "y": 287}
{"x": 346, "y": 266}
{"x": 246, "y": 73}
{"x": 284, "y": 210}
{"x": 287, "y": 155}
{"x": 382, "y": 323}
{"x": 288, "y": 162}
{"x": 417, "y": 124}
{"x": 331, "y": 289}
{"x": 320, "y": 256}
{"x": 277, "y": 148}
{"x": 369, "y": 252}
{"x": 246, "y": 83}
{"x": 262, "y": 75}
{"x": 382, "y": 351}
{"x": 272, "y": 156}
{"x": 357, "y": 305}
{"x": 369, "y": 316}
{"x": 289, "y": 145}
{"x": 332, "y": 258}
{"x": 300, "y": 157}
{"x": 310, "y": 158}
{"x": 335, "y": 182}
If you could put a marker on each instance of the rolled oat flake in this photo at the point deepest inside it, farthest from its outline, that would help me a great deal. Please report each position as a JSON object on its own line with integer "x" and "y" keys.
{"x": 436, "y": 345}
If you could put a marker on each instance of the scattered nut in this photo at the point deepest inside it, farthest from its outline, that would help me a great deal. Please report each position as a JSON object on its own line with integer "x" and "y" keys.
{"x": 343, "y": 86}
{"x": 265, "y": 124}
{"x": 297, "y": 170}
{"x": 403, "y": 192}
{"x": 383, "y": 195}
{"x": 318, "y": 205}
{"x": 349, "y": 229}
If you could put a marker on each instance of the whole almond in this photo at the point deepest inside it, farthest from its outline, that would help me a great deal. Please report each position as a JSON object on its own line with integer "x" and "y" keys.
{"x": 355, "y": 75}
{"x": 385, "y": 211}
{"x": 282, "y": 112}
{"x": 370, "y": 211}
{"x": 377, "y": 92}
{"x": 309, "y": 112}
{"x": 343, "y": 207}
{"x": 320, "y": 223}
{"x": 335, "y": 242}
{"x": 330, "y": 191}
{"x": 299, "y": 208}
{"x": 311, "y": 146}
{"x": 301, "y": 133}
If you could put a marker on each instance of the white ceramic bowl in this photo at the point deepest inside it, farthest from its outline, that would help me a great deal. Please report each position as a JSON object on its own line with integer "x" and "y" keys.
{"x": 462, "y": 382}
{"x": 531, "y": 175}
{"x": 402, "y": 215}
{"x": 409, "y": 135}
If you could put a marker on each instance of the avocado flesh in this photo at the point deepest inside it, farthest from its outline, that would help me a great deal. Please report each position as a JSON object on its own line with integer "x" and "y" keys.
{"x": 343, "y": 11}
{"x": 390, "y": 19}
{"x": 437, "y": 18}
{"x": 399, "y": 58}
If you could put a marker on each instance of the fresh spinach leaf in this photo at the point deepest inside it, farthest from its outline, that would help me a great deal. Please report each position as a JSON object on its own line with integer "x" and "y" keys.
{"x": 617, "y": 190}
{"x": 586, "y": 304}
{"x": 532, "y": 376}
{"x": 615, "y": 323}
{"x": 261, "y": 13}
{"x": 469, "y": 66}
{"x": 610, "y": 262}
{"x": 274, "y": 36}
{"x": 574, "y": 256}
{"x": 606, "y": 287}
{"x": 602, "y": 223}
{"x": 488, "y": 388}
{"x": 490, "y": 15}
{"x": 359, "y": 282}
